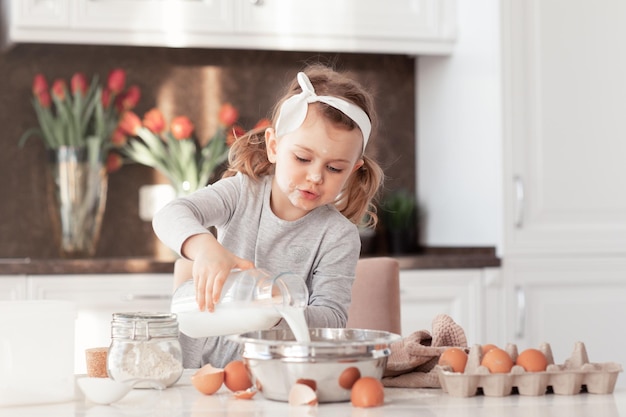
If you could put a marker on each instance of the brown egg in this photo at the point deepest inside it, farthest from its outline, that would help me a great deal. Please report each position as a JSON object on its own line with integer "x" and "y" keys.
{"x": 236, "y": 376}
{"x": 486, "y": 348}
{"x": 497, "y": 361}
{"x": 348, "y": 377}
{"x": 367, "y": 392}
{"x": 208, "y": 380}
{"x": 456, "y": 358}
{"x": 532, "y": 360}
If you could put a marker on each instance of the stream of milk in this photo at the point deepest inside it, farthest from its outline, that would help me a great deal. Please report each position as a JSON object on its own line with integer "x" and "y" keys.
{"x": 294, "y": 317}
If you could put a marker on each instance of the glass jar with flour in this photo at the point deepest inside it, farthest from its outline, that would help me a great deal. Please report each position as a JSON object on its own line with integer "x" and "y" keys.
{"x": 145, "y": 350}
{"x": 251, "y": 299}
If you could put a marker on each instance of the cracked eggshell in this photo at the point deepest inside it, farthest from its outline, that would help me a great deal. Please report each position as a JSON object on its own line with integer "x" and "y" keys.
{"x": 208, "y": 380}
{"x": 245, "y": 394}
{"x": 302, "y": 394}
{"x": 310, "y": 382}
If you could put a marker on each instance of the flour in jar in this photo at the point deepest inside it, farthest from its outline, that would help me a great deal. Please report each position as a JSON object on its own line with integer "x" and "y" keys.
{"x": 146, "y": 360}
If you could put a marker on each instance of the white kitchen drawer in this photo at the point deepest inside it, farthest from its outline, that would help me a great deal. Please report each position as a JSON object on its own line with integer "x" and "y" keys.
{"x": 40, "y": 14}
{"x": 458, "y": 293}
{"x": 394, "y": 19}
{"x": 12, "y": 287}
{"x": 562, "y": 300}
{"x": 173, "y": 17}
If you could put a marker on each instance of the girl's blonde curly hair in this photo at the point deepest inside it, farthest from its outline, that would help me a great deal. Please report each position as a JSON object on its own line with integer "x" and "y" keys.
{"x": 356, "y": 202}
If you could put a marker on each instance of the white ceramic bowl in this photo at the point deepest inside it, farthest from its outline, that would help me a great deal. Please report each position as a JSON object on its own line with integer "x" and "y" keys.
{"x": 107, "y": 390}
{"x": 103, "y": 390}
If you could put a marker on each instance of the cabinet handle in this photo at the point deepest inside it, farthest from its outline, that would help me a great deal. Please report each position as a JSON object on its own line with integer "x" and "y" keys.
{"x": 521, "y": 312}
{"x": 519, "y": 201}
{"x": 144, "y": 297}
{"x": 256, "y": 2}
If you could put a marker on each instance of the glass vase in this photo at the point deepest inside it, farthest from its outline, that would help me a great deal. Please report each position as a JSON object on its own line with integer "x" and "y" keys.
{"x": 77, "y": 191}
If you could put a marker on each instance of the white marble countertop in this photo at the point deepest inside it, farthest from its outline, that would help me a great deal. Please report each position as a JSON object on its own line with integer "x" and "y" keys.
{"x": 182, "y": 400}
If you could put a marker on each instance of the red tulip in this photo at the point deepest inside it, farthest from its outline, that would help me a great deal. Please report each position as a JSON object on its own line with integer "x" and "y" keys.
{"x": 58, "y": 88}
{"x": 129, "y": 123}
{"x": 116, "y": 80}
{"x": 40, "y": 85}
{"x": 131, "y": 98}
{"x": 154, "y": 120}
{"x": 128, "y": 100}
{"x": 118, "y": 103}
{"x": 106, "y": 98}
{"x": 181, "y": 127}
{"x": 118, "y": 139}
{"x": 79, "y": 83}
{"x": 44, "y": 99}
{"x": 114, "y": 162}
{"x": 228, "y": 114}
{"x": 235, "y": 132}
{"x": 263, "y": 123}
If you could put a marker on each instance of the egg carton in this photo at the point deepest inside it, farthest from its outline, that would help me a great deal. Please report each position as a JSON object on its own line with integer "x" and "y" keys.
{"x": 575, "y": 375}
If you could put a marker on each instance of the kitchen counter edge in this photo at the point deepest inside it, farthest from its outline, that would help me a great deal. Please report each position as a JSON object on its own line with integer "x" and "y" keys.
{"x": 429, "y": 258}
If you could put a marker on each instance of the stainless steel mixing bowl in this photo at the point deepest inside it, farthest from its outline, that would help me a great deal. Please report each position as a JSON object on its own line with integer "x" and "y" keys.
{"x": 276, "y": 361}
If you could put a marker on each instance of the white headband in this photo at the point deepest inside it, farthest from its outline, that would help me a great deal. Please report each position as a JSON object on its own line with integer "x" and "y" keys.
{"x": 294, "y": 109}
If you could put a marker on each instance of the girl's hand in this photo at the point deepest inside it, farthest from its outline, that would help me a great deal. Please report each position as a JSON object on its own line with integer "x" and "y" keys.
{"x": 209, "y": 275}
{"x": 212, "y": 264}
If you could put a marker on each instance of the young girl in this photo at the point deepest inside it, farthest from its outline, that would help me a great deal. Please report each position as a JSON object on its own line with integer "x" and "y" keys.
{"x": 290, "y": 201}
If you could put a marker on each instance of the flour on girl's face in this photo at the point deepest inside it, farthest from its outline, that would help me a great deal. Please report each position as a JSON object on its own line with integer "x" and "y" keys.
{"x": 313, "y": 164}
{"x": 315, "y": 177}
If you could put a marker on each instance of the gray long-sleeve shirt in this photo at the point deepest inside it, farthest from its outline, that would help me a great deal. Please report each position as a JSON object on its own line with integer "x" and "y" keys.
{"x": 322, "y": 247}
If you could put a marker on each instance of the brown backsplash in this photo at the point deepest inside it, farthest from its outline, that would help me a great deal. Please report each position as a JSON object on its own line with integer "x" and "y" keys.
{"x": 250, "y": 80}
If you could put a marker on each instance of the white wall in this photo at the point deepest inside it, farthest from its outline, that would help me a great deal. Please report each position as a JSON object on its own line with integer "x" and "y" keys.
{"x": 459, "y": 134}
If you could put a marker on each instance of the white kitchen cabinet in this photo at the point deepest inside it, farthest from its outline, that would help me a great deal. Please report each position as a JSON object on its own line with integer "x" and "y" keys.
{"x": 563, "y": 300}
{"x": 564, "y": 147}
{"x": 172, "y": 18}
{"x": 459, "y": 293}
{"x": 564, "y": 174}
{"x": 396, "y": 26}
{"x": 12, "y": 287}
{"x": 40, "y": 14}
{"x": 97, "y": 297}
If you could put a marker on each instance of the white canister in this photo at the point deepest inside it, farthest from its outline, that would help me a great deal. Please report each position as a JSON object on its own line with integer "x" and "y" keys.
{"x": 36, "y": 351}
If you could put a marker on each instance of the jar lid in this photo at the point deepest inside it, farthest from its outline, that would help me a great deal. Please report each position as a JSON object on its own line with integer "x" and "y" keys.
{"x": 142, "y": 325}
{"x": 153, "y": 317}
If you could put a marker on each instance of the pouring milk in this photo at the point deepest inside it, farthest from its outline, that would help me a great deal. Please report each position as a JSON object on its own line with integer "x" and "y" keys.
{"x": 251, "y": 300}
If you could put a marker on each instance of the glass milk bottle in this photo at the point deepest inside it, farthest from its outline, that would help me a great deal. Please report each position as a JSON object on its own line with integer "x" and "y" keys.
{"x": 251, "y": 299}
